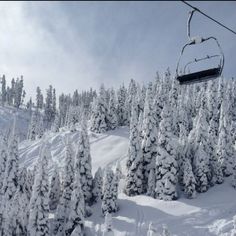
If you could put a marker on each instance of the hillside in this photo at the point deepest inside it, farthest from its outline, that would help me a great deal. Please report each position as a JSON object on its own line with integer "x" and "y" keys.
{"x": 210, "y": 213}
{"x": 7, "y": 115}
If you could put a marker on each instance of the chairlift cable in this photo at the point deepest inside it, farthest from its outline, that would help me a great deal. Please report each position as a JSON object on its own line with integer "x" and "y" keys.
{"x": 198, "y": 10}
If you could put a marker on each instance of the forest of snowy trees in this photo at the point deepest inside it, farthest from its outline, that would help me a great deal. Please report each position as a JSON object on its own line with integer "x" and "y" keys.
{"x": 181, "y": 139}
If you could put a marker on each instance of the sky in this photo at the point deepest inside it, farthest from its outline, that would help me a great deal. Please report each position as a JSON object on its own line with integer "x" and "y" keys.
{"x": 78, "y": 45}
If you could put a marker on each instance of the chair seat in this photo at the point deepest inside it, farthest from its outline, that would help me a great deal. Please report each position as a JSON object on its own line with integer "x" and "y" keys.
{"x": 199, "y": 76}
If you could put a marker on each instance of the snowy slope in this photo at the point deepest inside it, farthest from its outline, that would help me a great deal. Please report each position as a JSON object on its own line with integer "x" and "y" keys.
{"x": 210, "y": 213}
{"x": 105, "y": 148}
{"x": 7, "y": 117}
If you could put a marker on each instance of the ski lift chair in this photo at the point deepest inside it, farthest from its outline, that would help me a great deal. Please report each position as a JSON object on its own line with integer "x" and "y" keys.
{"x": 203, "y": 75}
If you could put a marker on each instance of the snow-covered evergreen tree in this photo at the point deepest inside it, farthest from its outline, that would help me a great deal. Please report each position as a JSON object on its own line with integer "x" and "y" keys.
{"x": 40, "y": 126}
{"x": 83, "y": 162}
{"x": 32, "y": 131}
{"x": 39, "y": 203}
{"x": 63, "y": 208}
{"x": 134, "y": 164}
{"x": 56, "y": 123}
{"x": 151, "y": 183}
{"x": 97, "y": 185}
{"x": 115, "y": 188}
{"x": 30, "y": 179}
{"x": 215, "y": 165}
{"x": 189, "y": 181}
{"x": 201, "y": 169}
{"x": 55, "y": 189}
{"x": 99, "y": 117}
{"x": 109, "y": 204}
{"x": 73, "y": 117}
{"x": 48, "y": 110}
{"x": 19, "y": 213}
{"x": 149, "y": 137}
{"x": 3, "y": 161}
{"x": 197, "y": 136}
{"x": 3, "y": 91}
{"x": 224, "y": 145}
{"x": 11, "y": 179}
{"x": 54, "y": 103}
{"x": 166, "y": 165}
{"x": 29, "y": 105}
{"x": 39, "y": 98}
{"x": 112, "y": 113}
{"x": 77, "y": 208}
{"x": 121, "y": 108}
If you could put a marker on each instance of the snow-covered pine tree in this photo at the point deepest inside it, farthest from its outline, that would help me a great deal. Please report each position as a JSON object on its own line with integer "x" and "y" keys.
{"x": 97, "y": 185}
{"x": 224, "y": 145}
{"x": 121, "y": 108}
{"x": 151, "y": 183}
{"x": 77, "y": 208}
{"x": 11, "y": 179}
{"x": 29, "y": 105}
{"x": 173, "y": 98}
{"x": 55, "y": 189}
{"x": 18, "y": 92}
{"x": 233, "y": 177}
{"x": 39, "y": 202}
{"x": 189, "y": 181}
{"x": 109, "y": 204}
{"x": 157, "y": 107}
{"x": 115, "y": 188}
{"x": 211, "y": 99}
{"x": 118, "y": 171}
{"x": 54, "y": 103}
{"x": 48, "y": 110}
{"x": 112, "y": 113}
{"x": 131, "y": 95}
{"x": 166, "y": 165}
{"x": 200, "y": 135}
{"x": 39, "y": 98}
{"x": 134, "y": 178}
{"x": 217, "y": 173}
{"x": 83, "y": 162}
{"x": 140, "y": 124}
{"x": 201, "y": 169}
{"x": 40, "y": 126}
{"x": 19, "y": 213}
{"x": 32, "y": 131}
{"x": 3, "y": 161}
{"x": 4, "y": 91}
{"x": 73, "y": 117}
{"x": 63, "y": 208}
{"x": 149, "y": 137}
{"x": 56, "y": 123}
{"x": 99, "y": 117}
{"x": 30, "y": 180}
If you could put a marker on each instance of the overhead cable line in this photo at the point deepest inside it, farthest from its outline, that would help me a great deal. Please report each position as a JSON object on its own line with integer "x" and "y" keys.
{"x": 196, "y": 9}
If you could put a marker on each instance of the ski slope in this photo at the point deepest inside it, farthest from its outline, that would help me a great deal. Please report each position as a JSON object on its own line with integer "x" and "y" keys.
{"x": 211, "y": 213}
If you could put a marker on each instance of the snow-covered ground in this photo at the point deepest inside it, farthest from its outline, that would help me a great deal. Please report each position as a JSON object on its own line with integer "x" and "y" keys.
{"x": 7, "y": 115}
{"x": 210, "y": 213}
